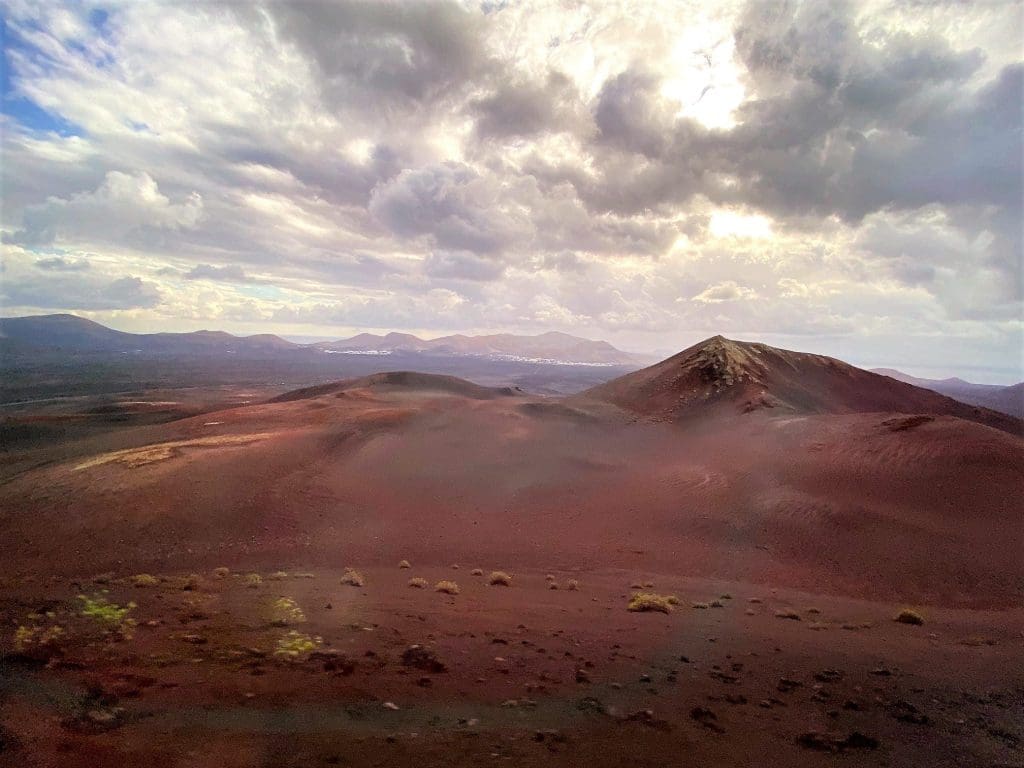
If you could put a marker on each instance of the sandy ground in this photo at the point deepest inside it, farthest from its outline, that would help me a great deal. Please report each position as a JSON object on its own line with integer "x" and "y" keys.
{"x": 842, "y": 520}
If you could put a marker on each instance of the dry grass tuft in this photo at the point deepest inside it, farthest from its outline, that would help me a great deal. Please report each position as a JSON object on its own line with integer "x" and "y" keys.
{"x": 144, "y": 580}
{"x": 418, "y": 583}
{"x": 253, "y": 581}
{"x": 278, "y": 576}
{"x": 907, "y": 616}
{"x": 221, "y": 573}
{"x": 648, "y": 601}
{"x": 476, "y": 572}
{"x": 404, "y": 564}
{"x": 572, "y": 585}
{"x": 447, "y": 587}
{"x": 353, "y": 578}
{"x": 499, "y": 579}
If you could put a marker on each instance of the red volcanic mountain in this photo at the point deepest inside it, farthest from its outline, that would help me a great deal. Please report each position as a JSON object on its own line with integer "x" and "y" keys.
{"x": 720, "y": 375}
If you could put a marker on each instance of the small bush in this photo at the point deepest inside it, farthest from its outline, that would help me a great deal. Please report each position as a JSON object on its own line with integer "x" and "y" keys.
{"x": 295, "y": 644}
{"x": 144, "y": 580}
{"x": 253, "y": 581}
{"x": 221, "y": 573}
{"x": 572, "y": 585}
{"x": 499, "y": 579}
{"x": 353, "y": 578}
{"x": 700, "y": 606}
{"x": 552, "y": 585}
{"x": 716, "y": 604}
{"x": 28, "y": 639}
{"x": 648, "y": 601}
{"x": 787, "y": 613}
{"x": 110, "y": 616}
{"x": 476, "y": 572}
{"x": 672, "y": 600}
{"x": 814, "y": 611}
{"x": 404, "y": 564}
{"x": 278, "y": 576}
{"x": 192, "y": 583}
{"x": 418, "y": 583}
{"x": 549, "y": 577}
{"x": 448, "y": 587}
{"x": 907, "y": 616}
{"x": 285, "y": 611}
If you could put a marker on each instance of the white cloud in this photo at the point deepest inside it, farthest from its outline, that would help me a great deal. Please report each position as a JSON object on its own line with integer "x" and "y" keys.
{"x": 641, "y": 173}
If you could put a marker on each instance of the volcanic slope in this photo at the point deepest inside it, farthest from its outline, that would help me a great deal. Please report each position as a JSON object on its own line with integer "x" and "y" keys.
{"x": 720, "y": 375}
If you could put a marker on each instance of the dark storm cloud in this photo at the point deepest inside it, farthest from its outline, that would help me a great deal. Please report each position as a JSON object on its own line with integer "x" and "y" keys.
{"x": 457, "y": 207}
{"x": 525, "y": 108}
{"x": 60, "y": 264}
{"x": 231, "y": 273}
{"x": 385, "y": 52}
{"x": 79, "y": 292}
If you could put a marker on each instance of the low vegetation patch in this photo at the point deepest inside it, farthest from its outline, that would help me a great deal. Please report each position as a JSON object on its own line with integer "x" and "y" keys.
{"x": 253, "y": 580}
{"x": 144, "y": 580}
{"x": 295, "y": 644}
{"x": 221, "y": 573}
{"x": 418, "y": 583}
{"x": 787, "y": 613}
{"x": 32, "y": 639}
{"x": 476, "y": 572}
{"x": 908, "y": 616}
{"x": 111, "y": 617}
{"x": 572, "y": 585}
{"x": 284, "y": 611}
{"x": 499, "y": 579}
{"x": 278, "y": 576}
{"x": 648, "y": 601}
{"x": 447, "y": 587}
{"x": 192, "y": 582}
{"x": 404, "y": 564}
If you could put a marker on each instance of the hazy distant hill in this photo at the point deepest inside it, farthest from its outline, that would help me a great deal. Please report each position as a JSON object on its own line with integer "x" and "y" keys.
{"x": 1005, "y": 399}
{"x": 76, "y": 334}
{"x": 546, "y": 347}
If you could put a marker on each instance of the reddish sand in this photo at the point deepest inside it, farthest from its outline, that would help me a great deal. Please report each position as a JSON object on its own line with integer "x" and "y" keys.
{"x": 863, "y": 512}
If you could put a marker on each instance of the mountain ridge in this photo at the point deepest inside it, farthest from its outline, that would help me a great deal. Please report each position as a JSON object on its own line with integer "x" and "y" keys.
{"x": 720, "y": 375}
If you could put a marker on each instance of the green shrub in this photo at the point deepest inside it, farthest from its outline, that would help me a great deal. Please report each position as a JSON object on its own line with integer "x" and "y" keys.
{"x": 285, "y": 611}
{"x": 295, "y": 644}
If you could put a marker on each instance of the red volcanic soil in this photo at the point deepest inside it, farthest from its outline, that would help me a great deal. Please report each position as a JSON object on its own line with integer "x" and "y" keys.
{"x": 756, "y": 473}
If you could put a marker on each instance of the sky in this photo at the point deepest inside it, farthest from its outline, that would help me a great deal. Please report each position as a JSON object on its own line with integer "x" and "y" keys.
{"x": 842, "y": 178}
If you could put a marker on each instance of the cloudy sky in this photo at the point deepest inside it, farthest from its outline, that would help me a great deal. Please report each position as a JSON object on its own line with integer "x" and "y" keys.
{"x": 834, "y": 177}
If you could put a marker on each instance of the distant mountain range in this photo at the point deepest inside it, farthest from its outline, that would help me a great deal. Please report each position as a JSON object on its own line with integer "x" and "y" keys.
{"x": 547, "y": 347}
{"x": 1005, "y": 399}
{"x": 79, "y": 335}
